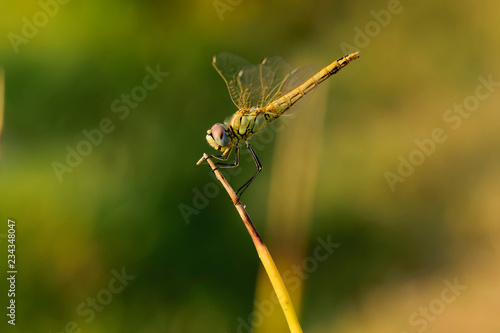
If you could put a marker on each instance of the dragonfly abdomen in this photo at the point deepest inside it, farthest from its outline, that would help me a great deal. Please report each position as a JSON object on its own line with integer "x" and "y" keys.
{"x": 282, "y": 104}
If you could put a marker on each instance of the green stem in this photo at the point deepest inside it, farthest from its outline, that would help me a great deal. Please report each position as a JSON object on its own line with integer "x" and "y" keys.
{"x": 264, "y": 255}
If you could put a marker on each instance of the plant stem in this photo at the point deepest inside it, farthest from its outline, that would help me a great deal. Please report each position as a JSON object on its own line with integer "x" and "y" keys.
{"x": 264, "y": 255}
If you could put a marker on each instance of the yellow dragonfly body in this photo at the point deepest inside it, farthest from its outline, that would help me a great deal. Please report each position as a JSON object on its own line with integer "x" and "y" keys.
{"x": 262, "y": 94}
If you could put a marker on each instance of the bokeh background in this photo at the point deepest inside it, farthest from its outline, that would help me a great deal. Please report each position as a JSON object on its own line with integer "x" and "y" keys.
{"x": 138, "y": 207}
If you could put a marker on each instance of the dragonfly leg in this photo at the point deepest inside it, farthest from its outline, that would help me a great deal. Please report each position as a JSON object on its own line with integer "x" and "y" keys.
{"x": 225, "y": 158}
{"x": 259, "y": 168}
{"x": 221, "y": 157}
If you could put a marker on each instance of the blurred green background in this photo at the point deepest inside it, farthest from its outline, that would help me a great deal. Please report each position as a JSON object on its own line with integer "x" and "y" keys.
{"x": 132, "y": 206}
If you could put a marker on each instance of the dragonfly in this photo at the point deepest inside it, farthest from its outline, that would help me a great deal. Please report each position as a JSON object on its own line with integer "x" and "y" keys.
{"x": 262, "y": 93}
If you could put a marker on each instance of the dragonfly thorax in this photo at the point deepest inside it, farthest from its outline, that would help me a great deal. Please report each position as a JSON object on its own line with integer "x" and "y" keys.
{"x": 245, "y": 123}
{"x": 220, "y": 138}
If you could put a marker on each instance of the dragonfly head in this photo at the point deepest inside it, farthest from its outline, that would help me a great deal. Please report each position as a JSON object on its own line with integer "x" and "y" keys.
{"x": 219, "y": 138}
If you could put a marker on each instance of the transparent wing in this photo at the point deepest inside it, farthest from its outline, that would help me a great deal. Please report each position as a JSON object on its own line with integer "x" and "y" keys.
{"x": 229, "y": 66}
{"x": 257, "y": 85}
{"x": 295, "y": 79}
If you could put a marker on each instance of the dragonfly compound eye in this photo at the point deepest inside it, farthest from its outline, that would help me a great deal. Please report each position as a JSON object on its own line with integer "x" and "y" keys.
{"x": 219, "y": 135}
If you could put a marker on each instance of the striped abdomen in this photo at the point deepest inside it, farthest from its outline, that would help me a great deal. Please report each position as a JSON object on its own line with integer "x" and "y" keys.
{"x": 282, "y": 104}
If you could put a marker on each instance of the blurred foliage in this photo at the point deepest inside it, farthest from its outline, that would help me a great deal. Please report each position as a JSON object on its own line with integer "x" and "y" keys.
{"x": 120, "y": 206}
